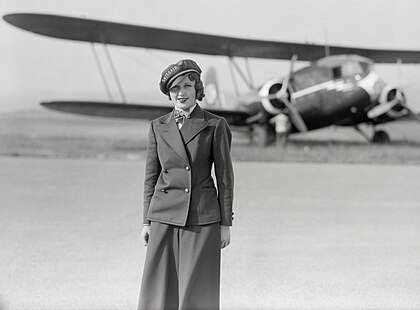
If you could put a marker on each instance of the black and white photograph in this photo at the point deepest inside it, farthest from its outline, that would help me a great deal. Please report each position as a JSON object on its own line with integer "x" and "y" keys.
{"x": 209, "y": 155}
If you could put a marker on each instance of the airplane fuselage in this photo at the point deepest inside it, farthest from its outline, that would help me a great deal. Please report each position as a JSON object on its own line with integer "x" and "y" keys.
{"x": 336, "y": 102}
{"x": 335, "y": 90}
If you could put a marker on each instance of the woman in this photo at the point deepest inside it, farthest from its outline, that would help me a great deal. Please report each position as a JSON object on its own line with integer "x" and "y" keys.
{"x": 186, "y": 219}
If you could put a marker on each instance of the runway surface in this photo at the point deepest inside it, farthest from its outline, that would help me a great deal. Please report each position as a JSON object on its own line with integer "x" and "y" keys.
{"x": 305, "y": 236}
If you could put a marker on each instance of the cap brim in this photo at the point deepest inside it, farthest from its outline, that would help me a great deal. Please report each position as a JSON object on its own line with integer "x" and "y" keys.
{"x": 179, "y": 74}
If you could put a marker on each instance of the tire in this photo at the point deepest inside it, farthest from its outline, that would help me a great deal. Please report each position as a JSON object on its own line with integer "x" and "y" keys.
{"x": 381, "y": 137}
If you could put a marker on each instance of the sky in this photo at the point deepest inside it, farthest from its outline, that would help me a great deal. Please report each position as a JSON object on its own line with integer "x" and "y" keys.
{"x": 36, "y": 68}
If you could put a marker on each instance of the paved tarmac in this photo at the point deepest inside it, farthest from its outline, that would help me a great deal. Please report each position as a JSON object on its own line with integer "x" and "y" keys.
{"x": 305, "y": 236}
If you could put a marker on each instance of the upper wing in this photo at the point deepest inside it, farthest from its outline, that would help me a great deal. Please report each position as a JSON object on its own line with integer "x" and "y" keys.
{"x": 146, "y": 37}
{"x": 136, "y": 111}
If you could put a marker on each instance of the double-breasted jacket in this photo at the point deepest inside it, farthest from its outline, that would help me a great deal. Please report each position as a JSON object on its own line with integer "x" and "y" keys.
{"x": 179, "y": 188}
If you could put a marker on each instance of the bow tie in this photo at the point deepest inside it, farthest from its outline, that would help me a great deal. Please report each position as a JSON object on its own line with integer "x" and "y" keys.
{"x": 180, "y": 116}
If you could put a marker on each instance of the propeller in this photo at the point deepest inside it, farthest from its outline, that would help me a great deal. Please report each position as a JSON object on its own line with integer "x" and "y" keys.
{"x": 283, "y": 91}
{"x": 295, "y": 117}
{"x": 381, "y": 109}
{"x": 387, "y": 107}
{"x": 410, "y": 112}
{"x": 282, "y": 95}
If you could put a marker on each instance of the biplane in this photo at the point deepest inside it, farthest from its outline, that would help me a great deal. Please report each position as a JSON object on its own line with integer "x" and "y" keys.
{"x": 339, "y": 86}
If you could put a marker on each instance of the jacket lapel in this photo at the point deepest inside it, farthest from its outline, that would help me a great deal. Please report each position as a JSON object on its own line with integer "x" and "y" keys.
{"x": 170, "y": 133}
{"x": 194, "y": 125}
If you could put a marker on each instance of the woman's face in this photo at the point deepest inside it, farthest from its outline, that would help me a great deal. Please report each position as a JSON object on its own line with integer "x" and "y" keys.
{"x": 183, "y": 93}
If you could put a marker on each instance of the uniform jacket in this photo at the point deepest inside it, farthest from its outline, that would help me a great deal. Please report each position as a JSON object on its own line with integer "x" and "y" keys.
{"x": 178, "y": 186}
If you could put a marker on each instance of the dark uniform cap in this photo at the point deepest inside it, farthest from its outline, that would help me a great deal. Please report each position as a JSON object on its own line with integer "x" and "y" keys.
{"x": 173, "y": 71}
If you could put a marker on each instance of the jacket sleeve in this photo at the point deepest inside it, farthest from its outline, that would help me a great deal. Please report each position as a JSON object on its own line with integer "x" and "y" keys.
{"x": 152, "y": 172}
{"x": 223, "y": 170}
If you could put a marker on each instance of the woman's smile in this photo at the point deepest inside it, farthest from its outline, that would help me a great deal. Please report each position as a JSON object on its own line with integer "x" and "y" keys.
{"x": 183, "y": 93}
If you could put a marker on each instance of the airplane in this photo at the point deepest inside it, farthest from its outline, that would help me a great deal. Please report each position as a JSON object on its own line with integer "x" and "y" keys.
{"x": 339, "y": 86}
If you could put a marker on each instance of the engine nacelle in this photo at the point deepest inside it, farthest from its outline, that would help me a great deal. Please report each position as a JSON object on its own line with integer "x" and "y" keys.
{"x": 394, "y": 97}
{"x": 391, "y": 103}
{"x": 273, "y": 106}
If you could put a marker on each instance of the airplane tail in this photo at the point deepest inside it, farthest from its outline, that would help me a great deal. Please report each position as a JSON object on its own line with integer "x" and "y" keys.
{"x": 214, "y": 98}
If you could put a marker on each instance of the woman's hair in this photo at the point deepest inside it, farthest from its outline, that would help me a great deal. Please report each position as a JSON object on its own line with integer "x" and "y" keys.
{"x": 198, "y": 85}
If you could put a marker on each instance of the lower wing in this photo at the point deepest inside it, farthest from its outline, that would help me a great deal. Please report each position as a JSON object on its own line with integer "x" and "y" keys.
{"x": 133, "y": 111}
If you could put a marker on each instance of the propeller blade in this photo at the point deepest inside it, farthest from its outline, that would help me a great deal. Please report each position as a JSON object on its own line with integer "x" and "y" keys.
{"x": 380, "y": 109}
{"x": 283, "y": 90}
{"x": 295, "y": 117}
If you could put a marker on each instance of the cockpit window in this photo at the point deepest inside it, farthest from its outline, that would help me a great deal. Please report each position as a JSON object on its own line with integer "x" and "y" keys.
{"x": 329, "y": 69}
{"x": 311, "y": 76}
{"x": 353, "y": 68}
{"x": 337, "y": 72}
{"x": 350, "y": 69}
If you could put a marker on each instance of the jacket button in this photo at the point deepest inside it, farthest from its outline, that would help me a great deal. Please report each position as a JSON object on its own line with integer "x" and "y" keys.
{"x": 187, "y": 190}
{"x": 187, "y": 168}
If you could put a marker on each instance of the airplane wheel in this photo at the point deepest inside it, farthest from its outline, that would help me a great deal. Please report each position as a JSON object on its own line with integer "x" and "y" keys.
{"x": 381, "y": 137}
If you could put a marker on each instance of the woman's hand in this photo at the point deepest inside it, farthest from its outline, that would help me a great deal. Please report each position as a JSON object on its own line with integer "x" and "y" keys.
{"x": 225, "y": 236}
{"x": 145, "y": 234}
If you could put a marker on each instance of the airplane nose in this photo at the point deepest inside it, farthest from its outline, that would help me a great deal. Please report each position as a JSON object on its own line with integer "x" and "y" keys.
{"x": 391, "y": 102}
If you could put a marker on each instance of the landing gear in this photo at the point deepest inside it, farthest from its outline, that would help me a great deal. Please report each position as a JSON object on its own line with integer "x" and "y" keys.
{"x": 262, "y": 135}
{"x": 381, "y": 137}
{"x": 378, "y": 137}
{"x": 282, "y": 139}
{"x": 282, "y": 126}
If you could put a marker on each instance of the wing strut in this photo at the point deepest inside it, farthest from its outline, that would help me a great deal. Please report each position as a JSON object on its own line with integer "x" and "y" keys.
{"x": 241, "y": 74}
{"x": 232, "y": 74}
{"x": 114, "y": 72}
{"x": 101, "y": 72}
{"x": 248, "y": 80}
{"x": 399, "y": 62}
{"x": 248, "y": 69}
{"x": 327, "y": 46}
